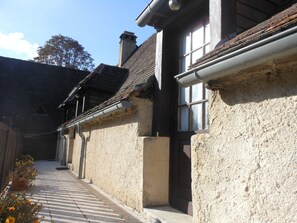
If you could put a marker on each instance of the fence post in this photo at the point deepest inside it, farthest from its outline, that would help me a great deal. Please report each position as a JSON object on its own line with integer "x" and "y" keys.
{"x": 9, "y": 148}
{"x": 4, "y": 142}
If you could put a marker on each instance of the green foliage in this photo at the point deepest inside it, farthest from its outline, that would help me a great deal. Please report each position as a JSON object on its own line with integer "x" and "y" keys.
{"x": 24, "y": 171}
{"x": 18, "y": 208}
{"x": 66, "y": 52}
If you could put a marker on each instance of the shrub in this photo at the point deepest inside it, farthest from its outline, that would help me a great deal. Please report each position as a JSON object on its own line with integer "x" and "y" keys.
{"x": 24, "y": 173}
{"x": 18, "y": 208}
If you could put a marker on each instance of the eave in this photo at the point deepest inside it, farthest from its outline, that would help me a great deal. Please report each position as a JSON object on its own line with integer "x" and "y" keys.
{"x": 269, "y": 42}
{"x": 118, "y": 106}
{"x": 281, "y": 45}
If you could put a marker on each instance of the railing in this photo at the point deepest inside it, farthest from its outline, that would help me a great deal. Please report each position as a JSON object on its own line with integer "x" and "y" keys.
{"x": 10, "y": 144}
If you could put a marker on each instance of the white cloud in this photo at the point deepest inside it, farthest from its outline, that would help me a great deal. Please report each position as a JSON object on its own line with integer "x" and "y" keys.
{"x": 16, "y": 42}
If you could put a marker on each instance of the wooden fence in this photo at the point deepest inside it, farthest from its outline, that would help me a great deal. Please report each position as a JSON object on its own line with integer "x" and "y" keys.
{"x": 10, "y": 145}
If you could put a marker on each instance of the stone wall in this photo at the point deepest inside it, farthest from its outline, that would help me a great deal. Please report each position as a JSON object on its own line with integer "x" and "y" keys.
{"x": 155, "y": 170}
{"x": 244, "y": 170}
{"x": 114, "y": 158}
{"x": 75, "y": 152}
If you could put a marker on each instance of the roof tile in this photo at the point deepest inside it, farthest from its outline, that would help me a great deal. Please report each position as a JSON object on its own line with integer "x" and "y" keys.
{"x": 141, "y": 66}
{"x": 276, "y": 24}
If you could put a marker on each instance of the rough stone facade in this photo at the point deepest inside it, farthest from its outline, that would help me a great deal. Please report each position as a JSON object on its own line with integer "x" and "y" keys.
{"x": 114, "y": 158}
{"x": 244, "y": 169}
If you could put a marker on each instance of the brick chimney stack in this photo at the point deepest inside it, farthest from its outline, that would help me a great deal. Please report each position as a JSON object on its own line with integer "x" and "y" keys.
{"x": 127, "y": 46}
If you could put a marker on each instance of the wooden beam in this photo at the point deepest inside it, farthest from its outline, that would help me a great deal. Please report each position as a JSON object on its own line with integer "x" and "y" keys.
{"x": 222, "y": 19}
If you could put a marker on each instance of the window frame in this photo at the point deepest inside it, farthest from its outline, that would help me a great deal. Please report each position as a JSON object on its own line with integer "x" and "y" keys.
{"x": 182, "y": 58}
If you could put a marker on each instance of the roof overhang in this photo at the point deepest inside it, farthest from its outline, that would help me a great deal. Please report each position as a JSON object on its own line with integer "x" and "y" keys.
{"x": 158, "y": 13}
{"x": 151, "y": 10}
{"x": 71, "y": 95}
{"x": 118, "y": 106}
{"x": 272, "y": 48}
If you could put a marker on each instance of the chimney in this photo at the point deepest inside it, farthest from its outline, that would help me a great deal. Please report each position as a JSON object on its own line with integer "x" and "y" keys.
{"x": 127, "y": 46}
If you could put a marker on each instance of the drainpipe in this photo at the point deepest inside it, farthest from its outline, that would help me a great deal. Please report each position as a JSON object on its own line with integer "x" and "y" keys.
{"x": 109, "y": 109}
{"x": 269, "y": 49}
{"x": 82, "y": 151}
{"x": 150, "y": 10}
{"x": 64, "y": 150}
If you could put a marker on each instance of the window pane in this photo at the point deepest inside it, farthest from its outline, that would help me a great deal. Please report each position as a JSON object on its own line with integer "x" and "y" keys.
{"x": 184, "y": 119}
{"x": 198, "y": 38}
{"x": 196, "y": 55}
{"x": 186, "y": 44}
{"x": 192, "y": 100}
{"x": 184, "y": 95}
{"x": 207, "y": 34}
{"x": 197, "y": 117}
{"x": 206, "y": 115}
{"x": 197, "y": 92}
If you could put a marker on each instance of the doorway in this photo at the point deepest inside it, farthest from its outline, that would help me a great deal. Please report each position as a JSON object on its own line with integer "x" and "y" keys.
{"x": 190, "y": 116}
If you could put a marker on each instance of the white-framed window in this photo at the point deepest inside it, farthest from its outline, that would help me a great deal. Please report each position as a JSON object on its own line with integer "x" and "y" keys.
{"x": 193, "y": 100}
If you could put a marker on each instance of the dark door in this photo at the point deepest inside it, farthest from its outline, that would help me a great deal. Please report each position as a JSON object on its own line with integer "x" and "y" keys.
{"x": 190, "y": 116}
{"x": 181, "y": 193}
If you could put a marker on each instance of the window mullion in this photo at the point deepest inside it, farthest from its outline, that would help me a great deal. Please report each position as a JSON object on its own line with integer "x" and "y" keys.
{"x": 193, "y": 38}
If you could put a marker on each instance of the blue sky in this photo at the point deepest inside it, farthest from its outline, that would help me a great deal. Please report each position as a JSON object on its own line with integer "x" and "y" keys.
{"x": 95, "y": 24}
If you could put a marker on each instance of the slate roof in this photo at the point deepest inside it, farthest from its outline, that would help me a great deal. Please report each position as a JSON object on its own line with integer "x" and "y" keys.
{"x": 26, "y": 86}
{"x": 276, "y": 24}
{"x": 109, "y": 79}
{"x": 104, "y": 78}
{"x": 141, "y": 66}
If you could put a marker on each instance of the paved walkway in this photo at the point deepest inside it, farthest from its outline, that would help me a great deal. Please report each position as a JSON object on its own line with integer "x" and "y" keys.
{"x": 67, "y": 199}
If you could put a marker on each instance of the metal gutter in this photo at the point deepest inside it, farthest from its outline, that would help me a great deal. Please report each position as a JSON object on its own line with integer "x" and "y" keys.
{"x": 109, "y": 109}
{"x": 274, "y": 47}
{"x": 150, "y": 10}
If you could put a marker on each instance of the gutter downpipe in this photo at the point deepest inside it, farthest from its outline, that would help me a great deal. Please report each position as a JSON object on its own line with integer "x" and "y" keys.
{"x": 64, "y": 152}
{"x": 274, "y": 47}
{"x": 149, "y": 11}
{"x": 110, "y": 109}
{"x": 82, "y": 151}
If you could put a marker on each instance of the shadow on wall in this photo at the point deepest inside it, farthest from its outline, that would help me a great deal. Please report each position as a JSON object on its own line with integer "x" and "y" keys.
{"x": 260, "y": 86}
{"x": 88, "y": 138}
{"x": 70, "y": 150}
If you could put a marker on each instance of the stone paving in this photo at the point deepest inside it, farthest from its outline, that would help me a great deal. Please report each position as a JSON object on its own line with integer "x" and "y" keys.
{"x": 67, "y": 199}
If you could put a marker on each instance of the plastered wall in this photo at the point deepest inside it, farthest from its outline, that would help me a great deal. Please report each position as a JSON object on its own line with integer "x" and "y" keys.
{"x": 75, "y": 152}
{"x": 114, "y": 155}
{"x": 244, "y": 169}
{"x": 155, "y": 170}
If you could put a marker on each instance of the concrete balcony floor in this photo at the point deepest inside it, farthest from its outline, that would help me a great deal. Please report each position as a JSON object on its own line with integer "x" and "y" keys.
{"x": 67, "y": 199}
